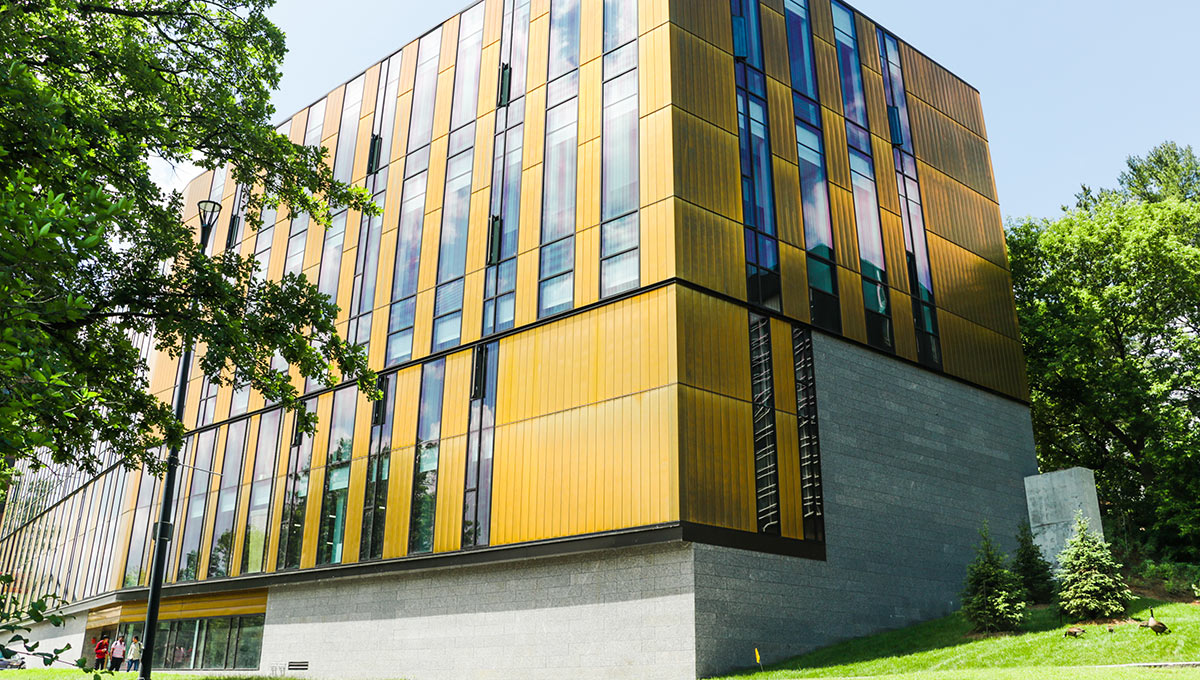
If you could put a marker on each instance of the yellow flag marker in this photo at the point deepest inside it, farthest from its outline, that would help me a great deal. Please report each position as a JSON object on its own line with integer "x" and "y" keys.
{"x": 757, "y": 659}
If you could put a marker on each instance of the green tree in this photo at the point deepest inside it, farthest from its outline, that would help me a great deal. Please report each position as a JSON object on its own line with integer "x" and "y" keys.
{"x": 992, "y": 599}
{"x": 1090, "y": 584}
{"x": 90, "y": 92}
{"x": 1032, "y": 568}
{"x": 1108, "y": 298}
{"x": 1167, "y": 172}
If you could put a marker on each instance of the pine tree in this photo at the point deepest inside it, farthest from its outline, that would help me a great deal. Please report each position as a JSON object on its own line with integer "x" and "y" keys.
{"x": 992, "y": 598}
{"x": 1032, "y": 569}
{"x": 1090, "y": 584}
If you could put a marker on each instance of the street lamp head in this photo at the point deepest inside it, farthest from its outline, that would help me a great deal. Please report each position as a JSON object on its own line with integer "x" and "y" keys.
{"x": 209, "y": 210}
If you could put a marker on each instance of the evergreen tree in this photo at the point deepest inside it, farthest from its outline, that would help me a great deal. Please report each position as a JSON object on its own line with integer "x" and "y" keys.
{"x": 1090, "y": 584}
{"x": 992, "y": 598}
{"x": 1032, "y": 569}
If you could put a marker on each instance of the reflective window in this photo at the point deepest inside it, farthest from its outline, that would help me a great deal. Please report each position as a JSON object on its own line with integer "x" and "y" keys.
{"x": 408, "y": 260}
{"x": 425, "y": 473}
{"x": 331, "y": 257}
{"x": 800, "y": 49}
{"x": 556, "y": 275}
{"x": 564, "y": 37}
{"x": 420, "y": 129}
{"x": 366, "y": 273}
{"x": 219, "y": 643}
{"x": 758, "y": 210}
{"x": 477, "y": 498}
{"x": 620, "y": 23}
{"x": 135, "y": 563}
{"x": 378, "y": 466}
{"x": 466, "y": 67}
{"x": 766, "y": 455}
{"x": 848, "y": 63}
{"x": 619, "y": 239}
{"x": 295, "y": 498}
{"x": 811, "y": 495}
{"x": 331, "y": 533}
{"x": 254, "y": 547}
{"x": 221, "y": 552}
{"x": 920, "y": 278}
{"x": 192, "y": 524}
{"x": 347, "y": 140}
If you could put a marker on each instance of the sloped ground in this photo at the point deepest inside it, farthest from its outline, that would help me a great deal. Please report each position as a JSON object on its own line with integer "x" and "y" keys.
{"x": 945, "y": 650}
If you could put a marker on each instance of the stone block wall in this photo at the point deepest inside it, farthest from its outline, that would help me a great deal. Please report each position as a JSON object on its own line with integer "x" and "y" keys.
{"x": 912, "y": 464}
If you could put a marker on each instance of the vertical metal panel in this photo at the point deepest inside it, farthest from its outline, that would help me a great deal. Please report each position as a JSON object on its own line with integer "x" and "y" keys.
{"x": 783, "y": 366}
{"x": 962, "y": 216}
{"x": 287, "y": 425}
{"x": 837, "y": 158}
{"x": 787, "y": 201}
{"x": 709, "y": 250}
{"x": 982, "y": 356}
{"x": 828, "y": 78}
{"x": 333, "y": 118}
{"x": 395, "y": 540}
{"x": 591, "y": 35}
{"x": 527, "y": 288}
{"x": 652, "y": 14}
{"x": 657, "y": 171}
{"x": 845, "y": 231}
{"x": 493, "y": 17}
{"x": 885, "y": 174}
{"x": 972, "y": 287}
{"x": 706, "y": 165}
{"x": 714, "y": 345}
{"x": 702, "y": 79}
{"x": 448, "y": 515}
{"x": 787, "y": 436}
{"x": 423, "y": 329}
{"x": 793, "y": 266}
{"x": 658, "y": 242}
{"x": 902, "y": 325}
{"x": 895, "y": 254}
{"x": 854, "y": 322}
{"x": 654, "y": 70}
{"x": 708, "y": 20}
{"x": 948, "y": 146}
{"x": 783, "y": 120}
{"x": 868, "y": 44}
{"x": 717, "y": 448}
{"x": 449, "y": 43}
{"x": 587, "y": 266}
{"x": 775, "y": 45}
{"x": 877, "y": 115}
{"x": 935, "y": 85}
{"x": 472, "y": 306}
{"x": 539, "y": 51}
{"x": 456, "y": 398}
{"x": 822, "y": 20}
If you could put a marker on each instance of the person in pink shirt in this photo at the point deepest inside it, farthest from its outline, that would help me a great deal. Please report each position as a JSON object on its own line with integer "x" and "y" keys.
{"x": 116, "y": 654}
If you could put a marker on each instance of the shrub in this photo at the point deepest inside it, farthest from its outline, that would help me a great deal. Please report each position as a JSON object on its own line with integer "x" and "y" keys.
{"x": 1090, "y": 584}
{"x": 1032, "y": 569}
{"x": 993, "y": 599}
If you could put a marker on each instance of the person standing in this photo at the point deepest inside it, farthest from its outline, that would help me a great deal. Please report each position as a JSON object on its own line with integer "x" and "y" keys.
{"x": 101, "y": 651}
{"x": 116, "y": 654}
{"x": 133, "y": 658}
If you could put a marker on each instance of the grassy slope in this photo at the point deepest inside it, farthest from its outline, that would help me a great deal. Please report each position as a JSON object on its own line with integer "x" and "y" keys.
{"x": 943, "y": 645}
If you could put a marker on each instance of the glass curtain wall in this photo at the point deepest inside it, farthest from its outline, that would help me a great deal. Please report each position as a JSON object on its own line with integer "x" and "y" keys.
{"x": 814, "y": 188}
{"x": 335, "y": 498}
{"x": 477, "y": 498}
{"x": 862, "y": 178}
{"x": 403, "y": 311}
{"x": 191, "y": 529}
{"x": 425, "y": 472}
{"x": 619, "y": 233}
{"x": 295, "y": 497}
{"x": 920, "y": 278}
{"x": 379, "y": 456}
{"x": 556, "y": 273}
{"x": 812, "y": 501}
{"x": 293, "y": 262}
{"x": 456, "y": 206}
{"x": 254, "y": 547}
{"x": 500, "y": 278}
{"x": 758, "y": 211}
{"x": 221, "y": 553}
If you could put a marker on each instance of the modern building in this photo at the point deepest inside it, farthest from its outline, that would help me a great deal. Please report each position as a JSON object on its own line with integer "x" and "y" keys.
{"x": 697, "y": 336}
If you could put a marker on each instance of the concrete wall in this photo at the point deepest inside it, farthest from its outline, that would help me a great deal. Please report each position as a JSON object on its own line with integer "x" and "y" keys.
{"x": 50, "y": 638}
{"x": 607, "y": 614}
{"x": 1054, "y": 498}
{"x": 912, "y": 464}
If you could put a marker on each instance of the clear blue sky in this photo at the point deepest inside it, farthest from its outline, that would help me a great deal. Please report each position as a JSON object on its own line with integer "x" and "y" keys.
{"x": 1070, "y": 88}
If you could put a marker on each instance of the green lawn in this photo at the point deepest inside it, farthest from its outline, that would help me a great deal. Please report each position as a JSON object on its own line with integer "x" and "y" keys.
{"x": 942, "y": 650}
{"x": 75, "y": 674}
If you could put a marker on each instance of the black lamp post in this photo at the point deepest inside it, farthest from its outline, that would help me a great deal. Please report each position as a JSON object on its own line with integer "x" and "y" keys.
{"x": 209, "y": 211}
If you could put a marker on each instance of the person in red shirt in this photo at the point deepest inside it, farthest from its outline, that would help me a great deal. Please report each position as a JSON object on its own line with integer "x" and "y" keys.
{"x": 101, "y": 651}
